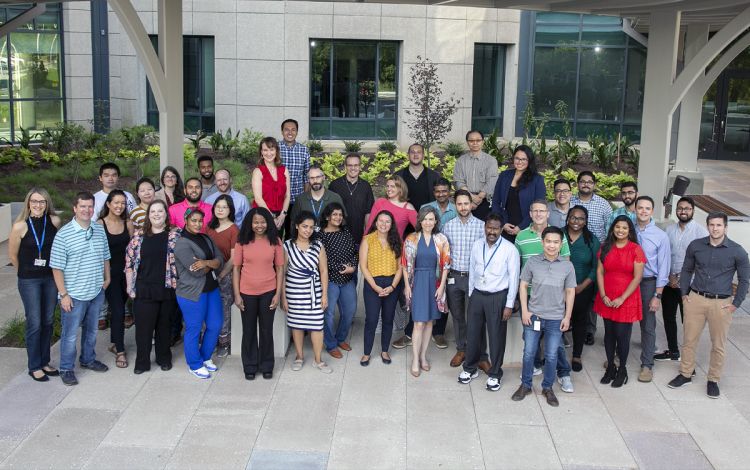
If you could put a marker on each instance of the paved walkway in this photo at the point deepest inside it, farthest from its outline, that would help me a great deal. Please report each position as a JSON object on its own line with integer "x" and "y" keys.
{"x": 727, "y": 181}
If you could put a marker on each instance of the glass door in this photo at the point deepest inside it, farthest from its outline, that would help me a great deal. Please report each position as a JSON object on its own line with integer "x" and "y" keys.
{"x": 734, "y": 121}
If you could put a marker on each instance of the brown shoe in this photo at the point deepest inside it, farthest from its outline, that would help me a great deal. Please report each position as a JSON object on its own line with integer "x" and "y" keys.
{"x": 646, "y": 375}
{"x": 550, "y": 396}
{"x": 458, "y": 359}
{"x": 345, "y": 346}
{"x": 102, "y": 324}
{"x": 485, "y": 366}
{"x": 335, "y": 353}
{"x": 128, "y": 321}
{"x": 521, "y": 393}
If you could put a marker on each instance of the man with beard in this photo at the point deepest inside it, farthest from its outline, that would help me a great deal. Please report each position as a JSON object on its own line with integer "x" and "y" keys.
{"x": 356, "y": 194}
{"x": 315, "y": 199}
{"x": 193, "y": 190}
{"x": 208, "y": 181}
{"x": 224, "y": 185}
{"x": 628, "y": 194}
{"x": 419, "y": 180}
{"x": 680, "y": 236}
{"x": 598, "y": 207}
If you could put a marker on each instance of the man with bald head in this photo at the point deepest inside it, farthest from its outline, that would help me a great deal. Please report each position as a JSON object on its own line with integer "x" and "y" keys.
{"x": 223, "y": 183}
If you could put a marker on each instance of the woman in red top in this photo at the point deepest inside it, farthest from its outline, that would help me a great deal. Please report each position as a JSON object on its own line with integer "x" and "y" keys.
{"x": 271, "y": 186}
{"x": 395, "y": 202}
{"x": 618, "y": 275}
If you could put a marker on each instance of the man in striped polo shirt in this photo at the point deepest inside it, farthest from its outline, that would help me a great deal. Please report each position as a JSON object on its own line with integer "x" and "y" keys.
{"x": 80, "y": 264}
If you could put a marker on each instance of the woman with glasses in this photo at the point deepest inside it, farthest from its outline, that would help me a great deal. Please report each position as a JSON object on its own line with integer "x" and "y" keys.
{"x": 172, "y": 190}
{"x": 29, "y": 246}
{"x": 516, "y": 189}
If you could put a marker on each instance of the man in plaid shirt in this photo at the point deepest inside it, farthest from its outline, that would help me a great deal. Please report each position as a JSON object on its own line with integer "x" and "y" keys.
{"x": 296, "y": 158}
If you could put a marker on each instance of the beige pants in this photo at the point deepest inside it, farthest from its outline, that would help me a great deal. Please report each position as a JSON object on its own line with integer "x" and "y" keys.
{"x": 698, "y": 311}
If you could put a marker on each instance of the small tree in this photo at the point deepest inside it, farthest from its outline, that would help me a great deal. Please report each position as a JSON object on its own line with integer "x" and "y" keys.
{"x": 430, "y": 120}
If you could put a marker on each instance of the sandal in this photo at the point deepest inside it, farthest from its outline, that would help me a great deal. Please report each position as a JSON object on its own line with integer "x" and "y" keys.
{"x": 121, "y": 360}
{"x": 297, "y": 364}
{"x": 113, "y": 349}
{"x": 128, "y": 321}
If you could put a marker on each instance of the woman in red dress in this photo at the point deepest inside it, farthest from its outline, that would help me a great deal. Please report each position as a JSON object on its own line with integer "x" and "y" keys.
{"x": 271, "y": 187}
{"x": 618, "y": 301}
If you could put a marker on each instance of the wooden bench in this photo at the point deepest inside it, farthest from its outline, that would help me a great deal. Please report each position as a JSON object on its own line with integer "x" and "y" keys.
{"x": 711, "y": 204}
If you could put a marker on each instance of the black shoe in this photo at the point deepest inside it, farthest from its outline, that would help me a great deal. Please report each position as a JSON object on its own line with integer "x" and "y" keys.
{"x": 550, "y": 396}
{"x": 712, "y": 389}
{"x": 576, "y": 365}
{"x": 365, "y": 362}
{"x": 175, "y": 341}
{"x": 51, "y": 373}
{"x": 386, "y": 360}
{"x": 589, "y": 339}
{"x": 267, "y": 375}
{"x": 609, "y": 375}
{"x": 679, "y": 381}
{"x": 43, "y": 378}
{"x": 68, "y": 377}
{"x": 693, "y": 374}
{"x": 667, "y": 356}
{"x": 166, "y": 367}
{"x": 96, "y": 366}
{"x": 250, "y": 376}
{"x": 621, "y": 378}
{"x": 521, "y": 393}
{"x": 139, "y": 371}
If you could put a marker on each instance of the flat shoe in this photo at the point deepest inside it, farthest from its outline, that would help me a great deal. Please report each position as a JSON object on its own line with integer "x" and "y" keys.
{"x": 345, "y": 346}
{"x": 138, "y": 371}
{"x": 249, "y": 376}
{"x": 43, "y": 378}
{"x": 51, "y": 373}
{"x": 364, "y": 362}
{"x": 415, "y": 373}
{"x": 386, "y": 360}
{"x": 267, "y": 375}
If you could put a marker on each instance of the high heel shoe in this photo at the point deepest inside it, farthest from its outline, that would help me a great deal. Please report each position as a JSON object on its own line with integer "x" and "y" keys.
{"x": 621, "y": 378}
{"x": 425, "y": 366}
{"x": 414, "y": 372}
{"x": 609, "y": 375}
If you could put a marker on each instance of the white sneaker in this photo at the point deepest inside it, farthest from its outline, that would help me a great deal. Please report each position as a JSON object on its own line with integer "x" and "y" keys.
{"x": 209, "y": 364}
{"x": 536, "y": 372}
{"x": 566, "y": 385}
{"x": 323, "y": 367}
{"x": 201, "y": 373}
{"x": 493, "y": 384}
{"x": 465, "y": 377}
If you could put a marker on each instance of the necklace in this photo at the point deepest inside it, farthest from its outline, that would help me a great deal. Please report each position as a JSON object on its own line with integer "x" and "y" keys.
{"x": 350, "y": 189}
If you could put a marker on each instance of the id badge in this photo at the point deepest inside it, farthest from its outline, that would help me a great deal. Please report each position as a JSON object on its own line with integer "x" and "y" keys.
{"x": 213, "y": 273}
{"x": 40, "y": 262}
{"x": 451, "y": 280}
{"x": 537, "y": 325}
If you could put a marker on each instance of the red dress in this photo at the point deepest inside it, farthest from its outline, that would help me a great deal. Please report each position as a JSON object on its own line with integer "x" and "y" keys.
{"x": 618, "y": 272}
{"x": 274, "y": 191}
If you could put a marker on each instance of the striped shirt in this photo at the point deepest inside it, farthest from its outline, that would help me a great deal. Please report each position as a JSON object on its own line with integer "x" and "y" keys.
{"x": 138, "y": 217}
{"x": 296, "y": 159}
{"x": 461, "y": 237}
{"x": 529, "y": 243}
{"x": 622, "y": 210}
{"x": 80, "y": 254}
{"x": 599, "y": 212}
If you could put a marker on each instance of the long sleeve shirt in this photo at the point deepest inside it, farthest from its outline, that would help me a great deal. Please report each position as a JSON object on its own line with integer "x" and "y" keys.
{"x": 680, "y": 238}
{"x": 476, "y": 172}
{"x": 655, "y": 245}
{"x": 711, "y": 269}
{"x": 495, "y": 268}
{"x": 462, "y": 236}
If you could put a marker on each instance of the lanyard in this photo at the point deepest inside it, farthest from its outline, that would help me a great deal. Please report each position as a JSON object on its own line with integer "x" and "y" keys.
{"x": 316, "y": 212}
{"x": 39, "y": 243}
{"x": 484, "y": 254}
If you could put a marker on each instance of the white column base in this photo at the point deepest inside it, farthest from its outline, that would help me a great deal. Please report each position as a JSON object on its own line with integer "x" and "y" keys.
{"x": 281, "y": 333}
{"x": 514, "y": 343}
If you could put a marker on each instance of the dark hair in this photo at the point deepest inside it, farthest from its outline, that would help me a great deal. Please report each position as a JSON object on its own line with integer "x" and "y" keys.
{"x": 111, "y": 197}
{"x": 553, "y": 229}
{"x": 415, "y": 144}
{"x": 194, "y": 178}
{"x": 83, "y": 196}
{"x": 327, "y": 211}
{"x": 270, "y": 143}
{"x": 147, "y": 229}
{"x": 109, "y": 166}
{"x": 142, "y": 181}
{"x": 441, "y": 182}
{"x": 609, "y": 241}
{"x": 179, "y": 189}
{"x": 423, "y": 212}
{"x": 585, "y": 173}
{"x": 193, "y": 210}
{"x": 461, "y": 192}
{"x": 629, "y": 184}
{"x": 474, "y": 131}
{"x": 717, "y": 215}
{"x": 494, "y": 216}
{"x": 531, "y": 170}
{"x": 303, "y": 216}
{"x": 538, "y": 201}
{"x": 214, "y": 224}
{"x": 645, "y": 198}
{"x": 588, "y": 237}
{"x": 393, "y": 238}
{"x": 296, "y": 124}
{"x": 247, "y": 234}
{"x": 561, "y": 181}
{"x": 687, "y": 199}
{"x": 353, "y": 155}
{"x": 205, "y": 158}
{"x": 316, "y": 166}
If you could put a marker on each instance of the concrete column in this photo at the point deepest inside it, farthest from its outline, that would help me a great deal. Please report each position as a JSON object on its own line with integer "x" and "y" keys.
{"x": 657, "y": 113}
{"x": 171, "y": 118}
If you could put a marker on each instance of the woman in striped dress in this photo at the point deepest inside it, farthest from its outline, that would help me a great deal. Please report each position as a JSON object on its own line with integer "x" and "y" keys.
{"x": 305, "y": 296}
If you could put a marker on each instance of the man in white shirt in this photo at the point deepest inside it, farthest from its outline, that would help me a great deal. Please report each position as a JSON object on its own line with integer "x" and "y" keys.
{"x": 109, "y": 175}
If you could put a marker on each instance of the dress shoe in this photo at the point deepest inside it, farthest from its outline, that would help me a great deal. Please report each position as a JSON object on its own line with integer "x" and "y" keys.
{"x": 139, "y": 371}
{"x": 440, "y": 341}
{"x": 521, "y": 393}
{"x": 335, "y": 353}
{"x": 43, "y": 378}
{"x": 646, "y": 375}
{"x": 250, "y": 376}
{"x": 549, "y": 394}
{"x": 458, "y": 359}
{"x": 364, "y": 362}
{"x": 385, "y": 359}
{"x": 485, "y": 366}
{"x": 51, "y": 373}
{"x": 267, "y": 375}
{"x": 589, "y": 339}
{"x": 345, "y": 346}
{"x": 166, "y": 367}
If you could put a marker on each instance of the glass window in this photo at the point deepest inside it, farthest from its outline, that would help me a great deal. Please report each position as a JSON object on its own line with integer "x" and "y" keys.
{"x": 634, "y": 84}
{"x": 554, "y": 17}
{"x": 557, "y": 34}
{"x": 488, "y": 85}
{"x": 600, "y": 84}
{"x": 555, "y": 73}
{"x": 353, "y": 89}
{"x": 36, "y": 65}
{"x": 198, "y": 85}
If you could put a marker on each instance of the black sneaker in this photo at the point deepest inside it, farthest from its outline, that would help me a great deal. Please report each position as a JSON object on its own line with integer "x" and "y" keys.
{"x": 667, "y": 356}
{"x": 679, "y": 381}
{"x": 96, "y": 366}
{"x": 68, "y": 377}
{"x": 712, "y": 389}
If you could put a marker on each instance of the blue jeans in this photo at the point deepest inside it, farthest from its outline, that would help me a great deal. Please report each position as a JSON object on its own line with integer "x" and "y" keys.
{"x": 346, "y": 298}
{"x": 208, "y": 310}
{"x": 552, "y": 340}
{"x": 39, "y": 297}
{"x": 86, "y": 315}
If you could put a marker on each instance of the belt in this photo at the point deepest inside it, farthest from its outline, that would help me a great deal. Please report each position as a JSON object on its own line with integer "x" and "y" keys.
{"x": 650, "y": 278}
{"x": 459, "y": 273}
{"x": 709, "y": 295}
{"x": 489, "y": 293}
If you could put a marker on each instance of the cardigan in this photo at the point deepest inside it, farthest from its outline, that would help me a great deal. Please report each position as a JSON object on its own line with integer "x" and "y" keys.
{"x": 190, "y": 283}
{"x": 133, "y": 260}
{"x": 531, "y": 192}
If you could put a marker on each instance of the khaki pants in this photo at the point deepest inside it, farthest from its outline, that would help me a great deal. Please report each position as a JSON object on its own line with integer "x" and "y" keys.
{"x": 698, "y": 311}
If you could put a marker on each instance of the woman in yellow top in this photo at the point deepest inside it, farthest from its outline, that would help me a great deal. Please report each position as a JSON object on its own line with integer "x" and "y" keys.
{"x": 379, "y": 262}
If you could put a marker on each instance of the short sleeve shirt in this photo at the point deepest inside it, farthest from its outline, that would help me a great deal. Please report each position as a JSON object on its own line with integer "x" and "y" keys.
{"x": 80, "y": 254}
{"x": 550, "y": 279}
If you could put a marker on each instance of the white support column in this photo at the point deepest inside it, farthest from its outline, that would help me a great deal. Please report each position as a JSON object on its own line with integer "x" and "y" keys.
{"x": 656, "y": 127}
{"x": 171, "y": 117}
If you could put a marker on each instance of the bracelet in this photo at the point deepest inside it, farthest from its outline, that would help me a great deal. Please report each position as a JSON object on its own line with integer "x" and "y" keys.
{"x": 393, "y": 287}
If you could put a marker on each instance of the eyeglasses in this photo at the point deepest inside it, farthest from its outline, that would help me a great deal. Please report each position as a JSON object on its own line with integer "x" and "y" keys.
{"x": 36, "y": 202}
{"x": 577, "y": 219}
{"x": 684, "y": 209}
{"x": 586, "y": 183}
{"x": 562, "y": 191}
{"x": 520, "y": 160}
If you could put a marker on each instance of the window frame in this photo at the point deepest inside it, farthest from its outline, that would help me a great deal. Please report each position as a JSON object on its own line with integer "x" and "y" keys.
{"x": 499, "y": 118}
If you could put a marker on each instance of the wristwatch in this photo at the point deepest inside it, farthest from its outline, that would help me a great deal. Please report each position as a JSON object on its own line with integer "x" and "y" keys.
{"x": 657, "y": 295}
{"x": 62, "y": 296}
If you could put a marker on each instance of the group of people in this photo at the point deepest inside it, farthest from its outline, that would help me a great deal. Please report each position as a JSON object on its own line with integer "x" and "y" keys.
{"x": 188, "y": 252}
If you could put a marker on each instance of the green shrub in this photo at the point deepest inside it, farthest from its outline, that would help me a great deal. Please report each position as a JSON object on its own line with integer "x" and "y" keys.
{"x": 455, "y": 148}
{"x": 332, "y": 164}
{"x": 353, "y": 145}
{"x": 216, "y": 141}
{"x": 14, "y": 331}
{"x": 248, "y": 145}
{"x": 387, "y": 146}
{"x": 199, "y": 136}
{"x": 314, "y": 146}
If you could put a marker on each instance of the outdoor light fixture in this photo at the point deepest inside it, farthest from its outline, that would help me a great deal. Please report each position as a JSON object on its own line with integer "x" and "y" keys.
{"x": 679, "y": 188}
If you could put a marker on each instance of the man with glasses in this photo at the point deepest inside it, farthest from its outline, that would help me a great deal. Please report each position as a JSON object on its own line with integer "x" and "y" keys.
{"x": 628, "y": 194}
{"x": 680, "y": 236}
{"x": 476, "y": 172}
{"x": 558, "y": 209}
{"x": 419, "y": 180}
{"x": 224, "y": 184}
{"x": 315, "y": 199}
{"x": 296, "y": 159}
{"x": 356, "y": 194}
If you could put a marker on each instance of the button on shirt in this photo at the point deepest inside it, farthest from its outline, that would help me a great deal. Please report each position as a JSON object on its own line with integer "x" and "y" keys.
{"x": 492, "y": 274}
{"x": 599, "y": 212}
{"x": 679, "y": 239}
{"x": 476, "y": 172}
{"x": 241, "y": 205}
{"x": 445, "y": 217}
{"x": 296, "y": 159}
{"x": 550, "y": 279}
{"x": 655, "y": 245}
{"x": 461, "y": 237}
{"x": 714, "y": 268}
{"x": 80, "y": 254}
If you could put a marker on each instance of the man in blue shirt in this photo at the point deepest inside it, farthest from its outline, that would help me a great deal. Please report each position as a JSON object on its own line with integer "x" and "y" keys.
{"x": 80, "y": 265}
{"x": 296, "y": 159}
{"x": 442, "y": 192}
{"x": 655, "y": 245}
{"x": 224, "y": 186}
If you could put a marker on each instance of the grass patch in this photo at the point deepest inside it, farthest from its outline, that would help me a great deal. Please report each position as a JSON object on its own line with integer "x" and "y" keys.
{"x": 13, "y": 333}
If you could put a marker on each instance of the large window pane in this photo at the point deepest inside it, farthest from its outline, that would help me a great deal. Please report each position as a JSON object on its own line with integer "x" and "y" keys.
{"x": 37, "y": 115}
{"x": 556, "y": 34}
{"x": 35, "y": 59}
{"x": 488, "y": 83}
{"x": 388, "y": 83}
{"x": 634, "y": 83}
{"x": 354, "y": 79}
{"x": 554, "y": 77}
{"x": 320, "y": 79}
{"x": 603, "y": 36}
{"x": 4, "y": 69}
{"x": 600, "y": 84}
{"x": 5, "y": 119}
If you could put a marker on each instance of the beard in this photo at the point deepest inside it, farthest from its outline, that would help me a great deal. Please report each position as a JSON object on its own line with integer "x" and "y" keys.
{"x": 193, "y": 199}
{"x": 316, "y": 186}
{"x": 628, "y": 201}
{"x": 684, "y": 218}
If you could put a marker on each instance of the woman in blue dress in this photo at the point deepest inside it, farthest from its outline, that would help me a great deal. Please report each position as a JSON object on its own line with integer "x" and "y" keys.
{"x": 425, "y": 262}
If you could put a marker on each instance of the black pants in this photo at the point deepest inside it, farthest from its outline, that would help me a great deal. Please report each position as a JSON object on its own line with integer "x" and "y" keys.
{"x": 257, "y": 349}
{"x": 287, "y": 228}
{"x": 175, "y": 322}
{"x": 617, "y": 339}
{"x": 580, "y": 319}
{"x": 116, "y": 295}
{"x": 486, "y": 309}
{"x": 375, "y": 307}
{"x": 438, "y": 326}
{"x": 150, "y": 316}
{"x": 671, "y": 298}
